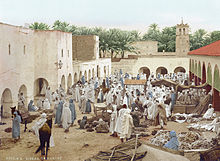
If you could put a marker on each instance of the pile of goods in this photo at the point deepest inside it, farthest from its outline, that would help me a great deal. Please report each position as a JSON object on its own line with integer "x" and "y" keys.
{"x": 187, "y": 140}
{"x": 124, "y": 151}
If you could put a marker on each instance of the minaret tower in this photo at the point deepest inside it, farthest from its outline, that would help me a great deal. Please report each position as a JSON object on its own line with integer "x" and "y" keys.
{"x": 182, "y": 39}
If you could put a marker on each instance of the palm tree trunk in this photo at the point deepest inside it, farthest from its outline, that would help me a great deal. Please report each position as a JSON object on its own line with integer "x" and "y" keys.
{"x": 122, "y": 54}
{"x": 112, "y": 52}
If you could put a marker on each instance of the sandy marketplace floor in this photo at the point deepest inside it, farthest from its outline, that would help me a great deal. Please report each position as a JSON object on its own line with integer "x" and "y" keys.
{"x": 77, "y": 145}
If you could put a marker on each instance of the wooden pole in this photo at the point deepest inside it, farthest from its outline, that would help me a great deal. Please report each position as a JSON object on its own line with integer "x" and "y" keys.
{"x": 113, "y": 151}
{"x": 135, "y": 151}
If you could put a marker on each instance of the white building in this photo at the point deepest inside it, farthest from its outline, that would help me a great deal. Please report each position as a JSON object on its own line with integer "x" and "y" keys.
{"x": 29, "y": 58}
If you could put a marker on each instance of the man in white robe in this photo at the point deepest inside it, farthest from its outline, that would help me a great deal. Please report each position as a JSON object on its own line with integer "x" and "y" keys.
{"x": 113, "y": 121}
{"x": 109, "y": 97}
{"x": 126, "y": 125}
{"x": 46, "y": 104}
{"x": 43, "y": 89}
{"x": 209, "y": 112}
{"x": 118, "y": 125}
{"x": 66, "y": 117}
{"x": 152, "y": 110}
{"x": 118, "y": 99}
{"x": 82, "y": 103}
{"x": 48, "y": 94}
{"x": 77, "y": 94}
{"x": 126, "y": 100}
{"x": 39, "y": 124}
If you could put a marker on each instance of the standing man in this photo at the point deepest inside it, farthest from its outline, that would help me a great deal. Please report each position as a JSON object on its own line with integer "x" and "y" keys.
{"x": 73, "y": 110}
{"x": 126, "y": 126}
{"x": 59, "y": 113}
{"x": 66, "y": 117}
{"x": 16, "y": 126}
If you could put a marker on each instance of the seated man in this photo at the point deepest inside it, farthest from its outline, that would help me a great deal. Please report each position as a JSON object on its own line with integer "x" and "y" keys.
{"x": 173, "y": 142}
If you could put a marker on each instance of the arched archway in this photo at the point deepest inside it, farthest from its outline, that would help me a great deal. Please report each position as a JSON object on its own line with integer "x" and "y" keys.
{"x": 179, "y": 69}
{"x": 6, "y": 102}
{"x": 40, "y": 86}
{"x": 93, "y": 73}
{"x": 89, "y": 76}
{"x": 63, "y": 83}
{"x": 190, "y": 70}
{"x": 161, "y": 70}
{"x": 75, "y": 78}
{"x": 80, "y": 75}
{"x": 196, "y": 73}
{"x": 98, "y": 71}
{"x": 144, "y": 70}
{"x": 23, "y": 91}
{"x": 104, "y": 71}
{"x": 203, "y": 73}
{"x": 69, "y": 81}
{"x": 193, "y": 70}
{"x": 209, "y": 78}
{"x": 85, "y": 75}
{"x": 199, "y": 73}
{"x": 216, "y": 89}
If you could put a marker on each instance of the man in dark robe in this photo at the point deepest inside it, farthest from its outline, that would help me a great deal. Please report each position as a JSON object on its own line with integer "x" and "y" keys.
{"x": 73, "y": 110}
{"x": 59, "y": 113}
{"x": 16, "y": 126}
{"x": 88, "y": 106}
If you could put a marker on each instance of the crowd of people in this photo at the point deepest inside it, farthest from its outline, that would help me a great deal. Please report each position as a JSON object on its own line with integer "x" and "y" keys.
{"x": 152, "y": 102}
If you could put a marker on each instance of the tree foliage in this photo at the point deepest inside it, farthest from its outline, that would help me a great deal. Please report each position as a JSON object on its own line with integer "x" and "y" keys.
{"x": 117, "y": 42}
{"x": 39, "y": 26}
{"x": 166, "y": 38}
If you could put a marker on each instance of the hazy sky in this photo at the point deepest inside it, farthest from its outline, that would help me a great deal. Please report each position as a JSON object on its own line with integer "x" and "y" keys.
{"x": 126, "y": 14}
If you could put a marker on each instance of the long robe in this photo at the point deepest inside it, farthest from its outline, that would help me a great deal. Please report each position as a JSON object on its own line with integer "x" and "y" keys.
{"x": 109, "y": 98}
{"x": 59, "y": 113}
{"x": 73, "y": 110}
{"x": 16, "y": 126}
{"x": 126, "y": 100}
{"x": 127, "y": 124}
{"x": 66, "y": 116}
{"x": 113, "y": 119}
{"x": 77, "y": 94}
{"x": 209, "y": 113}
{"x": 56, "y": 103}
{"x": 107, "y": 82}
{"x": 173, "y": 142}
{"x": 118, "y": 100}
{"x": 83, "y": 79}
{"x": 83, "y": 101}
{"x": 48, "y": 95}
{"x": 46, "y": 104}
{"x": 43, "y": 89}
{"x": 100, "y": 97}
{"x": 88, "y": 107}
{"x": 39, "y": 124}
{"x": 152, "y": 110}
{"x": 31, "y": 106}
{"x": 118, "y": 127}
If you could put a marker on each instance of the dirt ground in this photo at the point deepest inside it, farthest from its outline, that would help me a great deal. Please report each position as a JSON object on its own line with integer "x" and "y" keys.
{"x": 77, "y": 145}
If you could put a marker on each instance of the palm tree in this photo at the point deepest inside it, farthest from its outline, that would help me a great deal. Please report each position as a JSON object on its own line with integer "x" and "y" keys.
{"x": 198, "y": 39}
{"x": 153, "y": 33}
{"x": 39, "y": 26}
{"x": 62, "y": 26}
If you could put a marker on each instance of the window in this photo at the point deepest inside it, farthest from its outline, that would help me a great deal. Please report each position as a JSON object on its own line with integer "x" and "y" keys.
{"x": 9, "y": 49}
{"x": 24, "y": 49}
{"x": 183, "y": 31}
{"x": 62, "y": 52}
{"x": 180, "y": 31}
